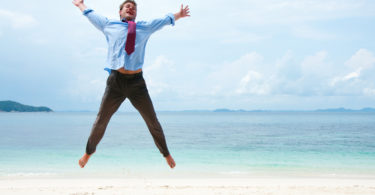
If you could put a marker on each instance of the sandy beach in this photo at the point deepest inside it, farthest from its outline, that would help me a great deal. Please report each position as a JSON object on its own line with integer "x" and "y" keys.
{"x": 258, "y": 186}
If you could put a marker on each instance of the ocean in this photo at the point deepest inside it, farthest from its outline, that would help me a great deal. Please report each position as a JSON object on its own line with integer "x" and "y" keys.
{"x": 203, "y": 144}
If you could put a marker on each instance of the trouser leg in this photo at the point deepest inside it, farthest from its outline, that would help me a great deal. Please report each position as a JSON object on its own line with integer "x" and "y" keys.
{"x": 110, "y": 103}
{"x": 141, "y": 100}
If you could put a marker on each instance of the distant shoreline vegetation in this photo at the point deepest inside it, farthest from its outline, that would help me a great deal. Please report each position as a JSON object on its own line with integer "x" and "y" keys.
{"x": 11, "y": 106}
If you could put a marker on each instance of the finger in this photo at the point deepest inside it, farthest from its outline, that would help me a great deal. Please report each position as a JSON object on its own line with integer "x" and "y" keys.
{"x": 182, "y": 6}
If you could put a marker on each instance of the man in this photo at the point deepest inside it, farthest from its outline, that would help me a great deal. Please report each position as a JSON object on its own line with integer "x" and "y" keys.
{"x": 126, "y": 49}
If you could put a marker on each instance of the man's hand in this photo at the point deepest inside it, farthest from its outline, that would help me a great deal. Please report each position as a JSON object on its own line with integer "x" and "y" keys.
{"x": 182, "y": 13}
{"x": 79, "y": 4}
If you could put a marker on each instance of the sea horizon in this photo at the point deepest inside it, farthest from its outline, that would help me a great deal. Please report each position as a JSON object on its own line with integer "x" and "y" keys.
{"x": 339, "y": 109}
{"x": 14, "y": 107}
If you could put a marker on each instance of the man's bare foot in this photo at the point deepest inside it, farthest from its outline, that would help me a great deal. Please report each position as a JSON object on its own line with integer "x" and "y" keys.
{"x": 82, "y": 162}
{"x": 170, "y": 161}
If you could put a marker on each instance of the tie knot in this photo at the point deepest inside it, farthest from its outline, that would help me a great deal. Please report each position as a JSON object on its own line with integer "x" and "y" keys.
{"x": 126, "y": 21}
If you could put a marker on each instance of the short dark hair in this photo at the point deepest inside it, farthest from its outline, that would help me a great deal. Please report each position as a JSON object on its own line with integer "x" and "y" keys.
{"x": 128, "y": 1}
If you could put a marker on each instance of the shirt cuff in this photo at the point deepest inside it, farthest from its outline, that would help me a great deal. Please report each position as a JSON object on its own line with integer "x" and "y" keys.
{"x": 171, "y": 16}
{"x": 86, "y": 11}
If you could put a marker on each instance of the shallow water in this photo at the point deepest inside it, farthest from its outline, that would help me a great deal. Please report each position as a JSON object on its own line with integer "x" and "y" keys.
{"x": 243, "y": 143}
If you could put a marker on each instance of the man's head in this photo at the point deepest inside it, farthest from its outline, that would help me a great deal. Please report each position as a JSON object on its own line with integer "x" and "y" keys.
{"x": 128, "y": 10}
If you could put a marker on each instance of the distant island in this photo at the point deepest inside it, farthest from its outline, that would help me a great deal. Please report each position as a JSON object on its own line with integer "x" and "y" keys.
{"x": 11, "y": 106}
{"x": 346, "y": 110}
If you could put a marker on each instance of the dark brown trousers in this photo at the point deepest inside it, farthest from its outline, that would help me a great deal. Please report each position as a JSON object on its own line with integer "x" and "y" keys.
{"x": 119, "y": 87}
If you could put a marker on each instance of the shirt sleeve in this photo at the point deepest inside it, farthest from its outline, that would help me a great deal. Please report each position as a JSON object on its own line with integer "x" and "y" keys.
{"x": 157, "y": 24}
{"x": 97, "y": 20}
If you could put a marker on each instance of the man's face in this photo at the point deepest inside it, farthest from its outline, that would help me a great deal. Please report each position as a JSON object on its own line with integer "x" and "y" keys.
{"x": 128, "y": 11}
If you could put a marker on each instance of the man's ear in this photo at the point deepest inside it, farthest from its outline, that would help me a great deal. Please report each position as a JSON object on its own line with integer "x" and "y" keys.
{"x": 119, "y": 13}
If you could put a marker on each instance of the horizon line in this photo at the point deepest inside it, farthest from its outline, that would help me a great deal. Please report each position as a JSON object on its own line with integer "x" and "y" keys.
{"x": 340, "y": 109}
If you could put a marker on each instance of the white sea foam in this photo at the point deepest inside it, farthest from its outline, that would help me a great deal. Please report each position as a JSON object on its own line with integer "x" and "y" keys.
{"x": 29, "y": 174}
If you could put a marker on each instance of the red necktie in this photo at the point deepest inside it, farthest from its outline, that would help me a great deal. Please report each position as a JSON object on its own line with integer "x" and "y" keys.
{"x": 130, "y": 40}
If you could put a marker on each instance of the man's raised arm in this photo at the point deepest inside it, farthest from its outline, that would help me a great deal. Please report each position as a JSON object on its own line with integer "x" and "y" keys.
{"x": 79, "y": 4}
{"x": 97, "y": 20}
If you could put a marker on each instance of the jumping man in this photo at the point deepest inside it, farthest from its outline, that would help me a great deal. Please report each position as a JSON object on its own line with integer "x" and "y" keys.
{"x": 126, "y": 49}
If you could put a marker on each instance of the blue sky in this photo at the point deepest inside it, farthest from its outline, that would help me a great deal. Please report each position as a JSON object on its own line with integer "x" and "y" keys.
{"x": 271, "y": 54}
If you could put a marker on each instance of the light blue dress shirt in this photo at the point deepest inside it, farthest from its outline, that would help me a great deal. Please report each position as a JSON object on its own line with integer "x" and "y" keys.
{"x": 116, "y": 31}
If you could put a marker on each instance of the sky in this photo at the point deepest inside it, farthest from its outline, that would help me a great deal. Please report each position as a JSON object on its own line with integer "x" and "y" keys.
{"x": 244, "y": 54}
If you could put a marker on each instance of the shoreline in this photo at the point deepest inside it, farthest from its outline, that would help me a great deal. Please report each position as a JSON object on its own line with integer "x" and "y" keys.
{"x": 187, "y": 174}
{"x": 181, "y": 172}
{"x": 257, "y": 186}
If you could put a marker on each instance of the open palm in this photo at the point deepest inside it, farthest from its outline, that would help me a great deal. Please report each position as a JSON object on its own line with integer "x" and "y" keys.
{"x": 77, "y": 2}
{"x": 184, "y": 11}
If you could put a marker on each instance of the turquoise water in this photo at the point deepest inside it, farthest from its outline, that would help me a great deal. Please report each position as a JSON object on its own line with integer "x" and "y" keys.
{"x": 218, "y": 144}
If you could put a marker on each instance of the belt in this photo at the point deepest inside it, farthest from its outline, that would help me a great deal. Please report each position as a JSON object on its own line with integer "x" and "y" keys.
{"x": 127, "y": 76}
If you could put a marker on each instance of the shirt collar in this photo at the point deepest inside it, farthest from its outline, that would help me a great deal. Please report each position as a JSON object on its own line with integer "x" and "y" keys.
{"x": 124, "y": 20}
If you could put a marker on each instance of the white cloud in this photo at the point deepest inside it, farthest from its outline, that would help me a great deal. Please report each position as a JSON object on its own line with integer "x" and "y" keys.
{"x": 316, "y": 66}
{"x": 253, "y": 83}
{"x": 246, "y": 79}
{"x": 306, "y": 78}
{"x": 308, "y": 32}
{"x": 345, "y": 78}
{"x": 352, "y": 75}
{"x": 160, "y": 75}
{"x": 362, "y": 59}
{"x": 286, "y": 66}
{"x": 359, "y": 80}
{"x": 313, "y": 76}
{"x": 17, "y": 20}
{"x": 250, "y": 76}
{"x": 231, "y": 77}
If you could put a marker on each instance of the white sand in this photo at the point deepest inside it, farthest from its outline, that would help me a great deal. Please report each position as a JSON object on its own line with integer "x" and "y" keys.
{"x": 298, "y": 186}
